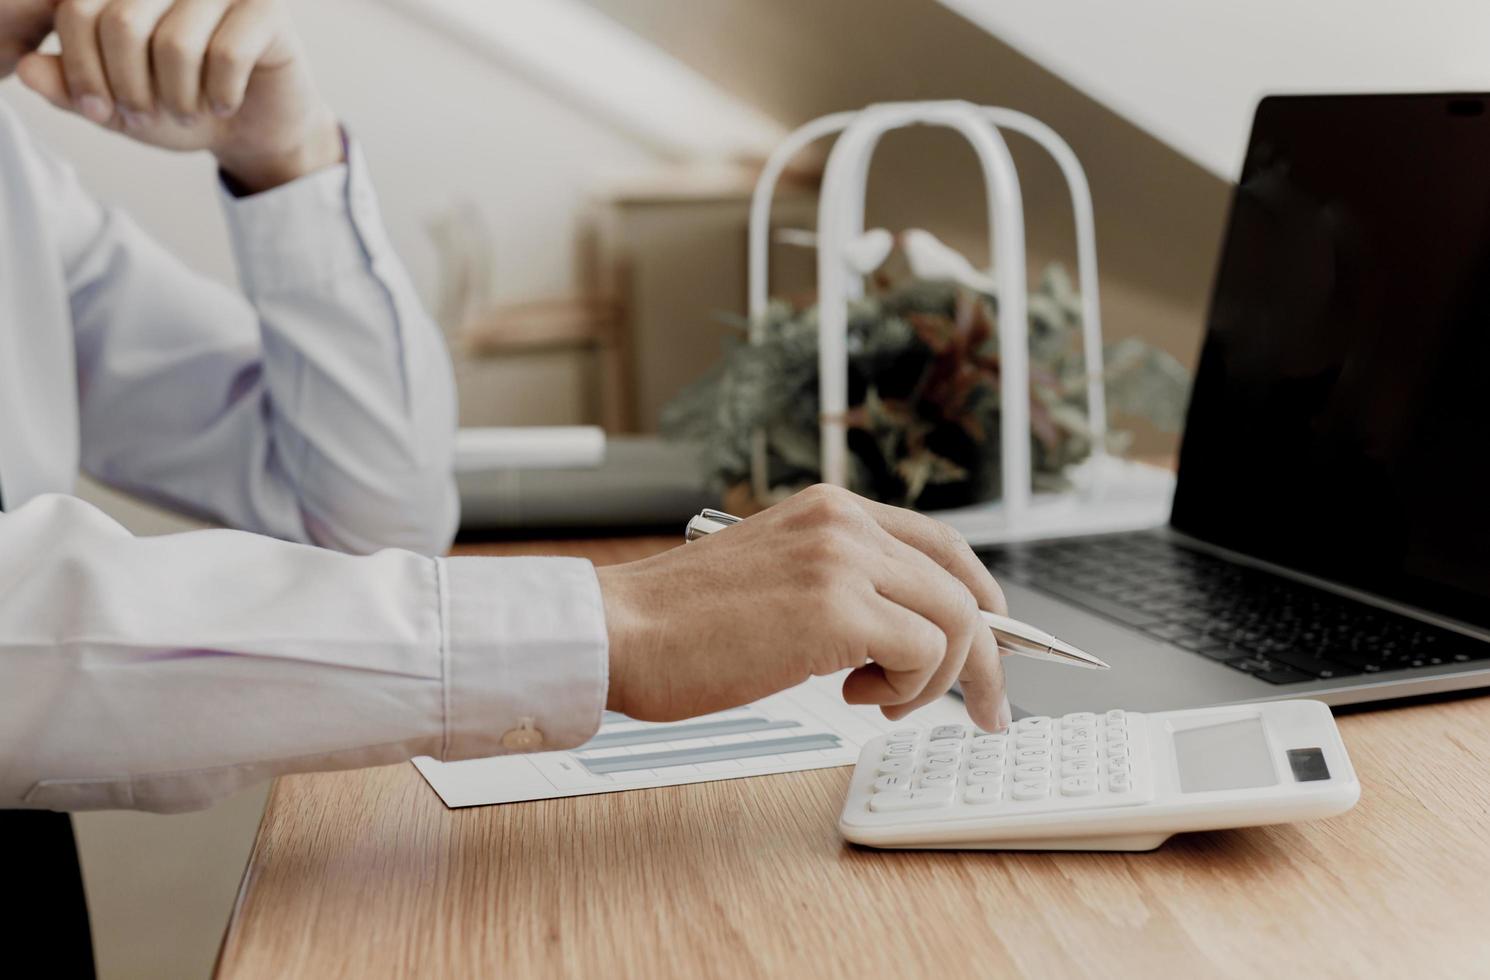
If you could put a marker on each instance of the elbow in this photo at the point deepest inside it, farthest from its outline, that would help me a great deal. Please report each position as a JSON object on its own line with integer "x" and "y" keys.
{"x": 419, "y": 514}
{"x": 431, "y": 519}
{"x": 436, "y": 532}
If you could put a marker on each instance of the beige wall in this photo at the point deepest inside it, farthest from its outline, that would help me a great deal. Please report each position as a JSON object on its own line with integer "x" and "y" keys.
{"x": 442, "y": 128}
{"x": 1159, "y": 216}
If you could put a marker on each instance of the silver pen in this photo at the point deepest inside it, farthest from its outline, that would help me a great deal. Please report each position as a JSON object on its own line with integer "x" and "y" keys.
{"x": 1013, "y": 636}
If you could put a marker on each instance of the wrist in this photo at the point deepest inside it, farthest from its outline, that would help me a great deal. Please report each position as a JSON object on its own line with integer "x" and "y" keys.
{"x": 256, "y": 172}
{"x": 620, "y": 629}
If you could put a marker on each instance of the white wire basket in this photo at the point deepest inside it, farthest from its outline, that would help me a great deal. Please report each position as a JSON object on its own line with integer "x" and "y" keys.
{"x": 1107, "y": 493}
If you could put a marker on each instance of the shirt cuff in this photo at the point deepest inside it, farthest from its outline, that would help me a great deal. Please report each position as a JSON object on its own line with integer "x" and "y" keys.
{"x": 526, "y": 655}
{"x": 307, "y": 231}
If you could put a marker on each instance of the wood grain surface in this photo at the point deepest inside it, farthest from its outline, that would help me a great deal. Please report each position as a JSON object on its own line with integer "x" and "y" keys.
{"x": 367, "y": 874}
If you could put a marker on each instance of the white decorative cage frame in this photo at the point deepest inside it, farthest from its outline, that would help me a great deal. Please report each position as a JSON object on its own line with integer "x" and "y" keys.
{"x": 841, "y": 222}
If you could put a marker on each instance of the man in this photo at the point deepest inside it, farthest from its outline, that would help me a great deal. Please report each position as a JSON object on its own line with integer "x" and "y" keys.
{"x": 317, "y": 409}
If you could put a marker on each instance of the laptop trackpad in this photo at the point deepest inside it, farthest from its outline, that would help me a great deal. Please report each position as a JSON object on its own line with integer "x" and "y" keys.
{"x": 1146, "y": 674}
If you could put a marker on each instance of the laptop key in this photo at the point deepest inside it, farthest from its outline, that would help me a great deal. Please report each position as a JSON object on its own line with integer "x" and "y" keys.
{"x": 1267, "y": 670}
{"x": 1322, "y": 669}
{"x": 1368, "y": 661}
{"x": 1112, "y": 610}
{"x": 1283, "y": 675}
{"x": 1221, "y": 651}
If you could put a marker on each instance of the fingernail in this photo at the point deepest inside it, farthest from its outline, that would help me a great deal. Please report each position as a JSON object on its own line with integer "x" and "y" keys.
{"x": 132, "y": 119}
{"x": 221, "y": 111}
{"x": 184, "y": 118}
{"x": 95, "y": 108}
{"x": 1006, "y": 713}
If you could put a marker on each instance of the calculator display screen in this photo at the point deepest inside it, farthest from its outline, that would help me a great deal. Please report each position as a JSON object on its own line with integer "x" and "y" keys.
{"x": 1233, "y": 755}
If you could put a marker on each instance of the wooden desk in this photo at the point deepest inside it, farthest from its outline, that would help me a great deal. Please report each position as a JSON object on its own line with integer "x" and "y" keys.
{"x": 366, "y": 874}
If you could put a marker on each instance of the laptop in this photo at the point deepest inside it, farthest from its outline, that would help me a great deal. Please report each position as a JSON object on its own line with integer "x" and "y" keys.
{"x": 1330, "y": 533}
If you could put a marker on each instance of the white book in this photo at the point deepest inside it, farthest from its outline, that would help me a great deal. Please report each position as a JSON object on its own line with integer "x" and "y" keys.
{"x": 544, "y": 447}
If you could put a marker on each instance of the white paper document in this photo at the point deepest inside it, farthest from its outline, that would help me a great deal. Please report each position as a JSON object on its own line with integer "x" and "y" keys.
{"x": 808, "y": 727}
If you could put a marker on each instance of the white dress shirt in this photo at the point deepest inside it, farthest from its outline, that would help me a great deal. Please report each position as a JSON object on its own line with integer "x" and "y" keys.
{"x": 315, "y": 409}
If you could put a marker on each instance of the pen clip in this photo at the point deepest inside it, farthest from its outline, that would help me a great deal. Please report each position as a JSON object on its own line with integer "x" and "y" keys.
{"x": 709, "y": 522}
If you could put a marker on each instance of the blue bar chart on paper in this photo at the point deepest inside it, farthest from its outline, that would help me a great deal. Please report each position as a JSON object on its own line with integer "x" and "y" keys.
{"x": 808, "y": 727}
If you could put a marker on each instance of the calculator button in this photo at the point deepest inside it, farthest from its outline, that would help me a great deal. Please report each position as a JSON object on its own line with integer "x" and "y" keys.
{"x": 894, "y": 767}
{"x": 990, "y": 741}
{"x": 890, "y": 783}
{"x": 1118, "y": 752}
{"x": 942, "y": 761}
{"x": 949, "y": 731}
{"x": 1034, "y": 723}
{"x": 1022, "y": 791}
{"x": 1078, "y": 736}
{"x": 1032, "y": 755}
{"x": 1071, "y": 752}
{"x": 981, "y": 777}
{"x": 944, "y": 745}
{"x": 987, "y": 759}
{"x": 1116, "y": 742}
{"x": 1119, "y": 782}
{"x": 899, "y": 749}
{"x": 904, "y": 735}
{"x": 1117, "y": 716}
{"x": 1031, "y": 772}
{"x": 921, "y": 799}
{"x": 1080, "y": 767}
{"x": 1119, "y": 766}
{"x": 1079, "y": 719}
{"x": 1078, "y": 785}
{"x": 984, "y": 794}
{"x": 932, "y": 780}
{"x": 1036, "y": 740}
{"x": 887, "y": 802}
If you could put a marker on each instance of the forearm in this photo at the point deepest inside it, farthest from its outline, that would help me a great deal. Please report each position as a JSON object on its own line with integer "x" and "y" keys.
{"x": 164, "y": 673}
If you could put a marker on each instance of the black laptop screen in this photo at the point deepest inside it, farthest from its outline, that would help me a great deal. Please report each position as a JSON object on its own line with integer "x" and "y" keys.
{"x": 1340, "y": 422}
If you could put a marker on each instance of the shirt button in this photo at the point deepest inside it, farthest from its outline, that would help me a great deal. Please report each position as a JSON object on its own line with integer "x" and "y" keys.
{"x": 523, "y": 739}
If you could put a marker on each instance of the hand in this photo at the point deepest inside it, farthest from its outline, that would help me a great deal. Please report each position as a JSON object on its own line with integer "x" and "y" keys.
{"x": 227, "y": 76}
{"x": 821, "y": 582}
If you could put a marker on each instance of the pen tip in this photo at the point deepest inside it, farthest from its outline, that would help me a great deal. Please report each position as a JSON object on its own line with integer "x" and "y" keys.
{"x": 1080, "y": 656}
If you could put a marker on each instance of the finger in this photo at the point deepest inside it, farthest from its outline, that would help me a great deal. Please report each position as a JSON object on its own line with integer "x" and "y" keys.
{"x": 982, "y": 677}
{"x": 982, "y": 681}
{"x": 945, "y": 546}
{"x": 242, "y": 40}
{"x": 82, "y": 64}
{"x": 42, "y": 74}
{"x": 906, "y": 649}
{"x": 179, "y": 49}
{"x": 124, "y": 31}
{"x": 913, "y": 580}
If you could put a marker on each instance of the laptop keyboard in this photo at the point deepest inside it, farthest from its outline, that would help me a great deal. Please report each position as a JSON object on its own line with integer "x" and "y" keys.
{"x": 1276, "y": 629}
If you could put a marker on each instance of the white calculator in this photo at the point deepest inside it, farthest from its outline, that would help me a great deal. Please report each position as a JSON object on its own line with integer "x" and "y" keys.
{"x": 1110, "y": 781}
